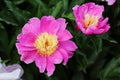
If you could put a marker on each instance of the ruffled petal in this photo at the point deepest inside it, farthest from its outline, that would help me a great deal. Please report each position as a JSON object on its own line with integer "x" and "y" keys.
{"x": 28, "y": 56}
{"x": 106, "y": 28}
{"x": 90, "y": 30}
{"x": 75, "y": 11}
{"x": 62, "y": 23}
{"x": 41, "y": 62}
{"x": 98, "y": 31}
{"x": 33, "y": 26}
{"x": 102, "y": 23}
{"x": 95, "y": 10}
{"x": 50, "y": 67}
{"x": 56, "y": 57}
{"x": 68, "y": 45}
{"x": 22, "y": 48}
{"x": 64, "y": 35}
{"x": 64, "y": 55}
{"x": 49, "y": 24}
{"x": 70, "y": 54}
{"x": 26, "y": 39}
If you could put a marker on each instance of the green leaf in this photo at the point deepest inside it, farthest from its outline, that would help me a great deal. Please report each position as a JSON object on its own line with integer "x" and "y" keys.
{"x": 42, "y": 8}
{"x": 57, "y": 9}
{"x": 4, "y": 61}
{"x": 112, "y": 69}
{"x": 13, "y": 40}
{"x": 108, "y": 38}
{"x": 18, "y": 2}
{"x": 21, "y": 15}
{"x": 7, "y": 17}
{"x": 3, "y": 39}
{"x": 1, "y": 26}
{"x": 73, "y": 3}
{"x": 53, "y": 2}
{"x": 12, "y": 44}
{"x": 81, "y": 59}
{"x": 65, "y": 4}
{"x": 115, "y": 72}
{"x": 69, "y": 16}
{"x": 112, "y": 41}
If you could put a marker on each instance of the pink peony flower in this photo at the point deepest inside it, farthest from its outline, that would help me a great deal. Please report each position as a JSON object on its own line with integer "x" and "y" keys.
{"x": 110, "y": 2}
{"x": 45, "y": 41}
{"x": 89, "y": 18}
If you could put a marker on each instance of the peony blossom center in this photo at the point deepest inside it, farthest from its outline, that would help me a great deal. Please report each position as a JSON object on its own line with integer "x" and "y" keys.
{"x": 46, "y": 43}
{"x": 90, "y": 20}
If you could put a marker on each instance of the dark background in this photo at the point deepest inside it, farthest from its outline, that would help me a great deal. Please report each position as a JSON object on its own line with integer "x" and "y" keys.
{"x": 97, "y": 57}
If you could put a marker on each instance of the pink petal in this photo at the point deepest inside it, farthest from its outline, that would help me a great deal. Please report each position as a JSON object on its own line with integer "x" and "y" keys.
{"x": 88, "y": 8}
{"x": 102, "y": 22}
{"x": 95, "y": 10}
{"x": 50, "y": 68}
{"x": 40, "y": 62}
{"x": 62, "y": 23}
{"x": 26, "y": 39}
{"x": 26, "y": 52}
{"x": 75, "y": 11}
{"x": 90, "y": 30}
{"x": 98, "y": 31}
{"x": 28, "y": 56}
{"x": 68, "y": 45}
{"x": 81, "y": 27}
{"x": 56, "y": 58}
{"x": 70, "y": 54}
{"x": 49, "y": 24}
{"x": 22, "y": 48}
{"x": 107, "y": 27}
{"x": 33, "y": 26}
{"x": 64, "y": 35}
{"x": 65, "y": 55}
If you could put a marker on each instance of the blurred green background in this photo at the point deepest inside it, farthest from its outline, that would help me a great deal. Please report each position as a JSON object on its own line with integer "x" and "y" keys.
{"x": 97, "y": 57}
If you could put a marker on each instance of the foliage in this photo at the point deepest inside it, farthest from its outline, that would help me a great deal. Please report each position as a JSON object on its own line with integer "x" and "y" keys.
{"x": 97, "y": 57}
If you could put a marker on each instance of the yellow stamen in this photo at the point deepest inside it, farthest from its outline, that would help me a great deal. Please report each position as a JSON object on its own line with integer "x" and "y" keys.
{"x": 46, "y": 44}
{"x": 90, "y": 20}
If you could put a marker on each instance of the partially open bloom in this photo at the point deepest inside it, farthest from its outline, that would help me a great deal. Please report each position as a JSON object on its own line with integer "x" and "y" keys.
{"x": 110, "y": 2}
{"x": 89, "y": 18}
{"x": 46, "y": 42}
{"x": 12, "y": 72}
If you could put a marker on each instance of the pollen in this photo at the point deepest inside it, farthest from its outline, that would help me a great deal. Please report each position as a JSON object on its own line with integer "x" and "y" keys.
{"x": 90, "y": 20}
{"x": 46, "y": 44}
